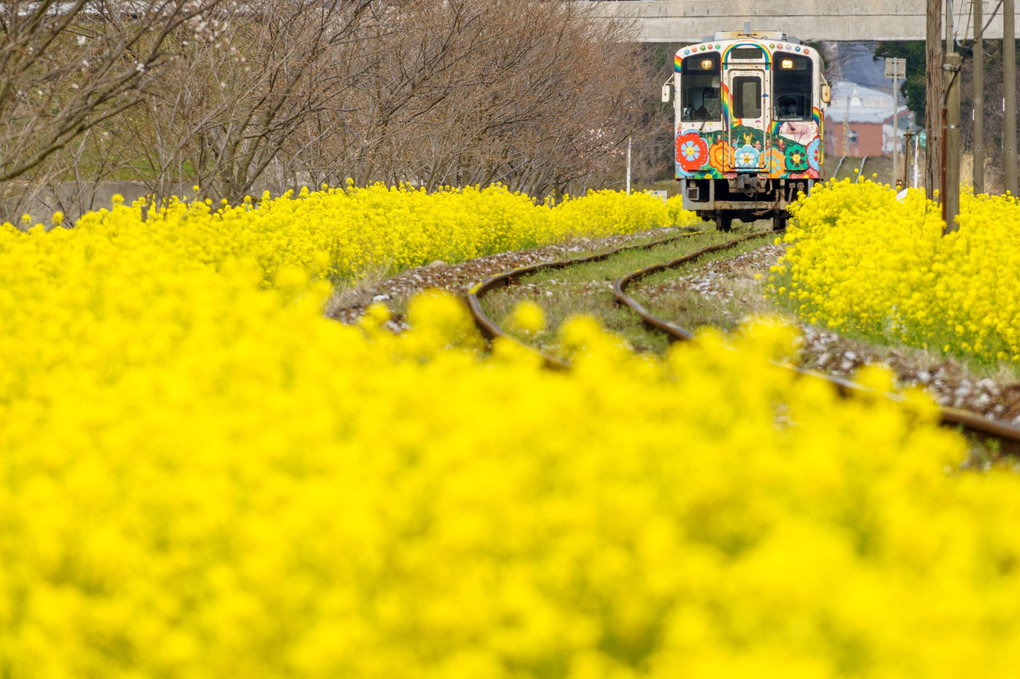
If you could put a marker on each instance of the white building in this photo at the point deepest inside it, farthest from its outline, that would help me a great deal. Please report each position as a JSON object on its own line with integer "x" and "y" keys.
{"x": 859, "y": 121}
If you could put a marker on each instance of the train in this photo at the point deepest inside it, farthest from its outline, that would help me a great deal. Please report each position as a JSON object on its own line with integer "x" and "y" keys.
{"x": 748, "y": 125}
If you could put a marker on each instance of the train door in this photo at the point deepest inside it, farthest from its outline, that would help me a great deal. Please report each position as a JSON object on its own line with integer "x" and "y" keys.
{"x": 746, "y": 122}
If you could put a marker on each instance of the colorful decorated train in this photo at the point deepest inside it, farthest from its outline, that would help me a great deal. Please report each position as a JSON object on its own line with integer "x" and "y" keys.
{"x": 748, "y": 125}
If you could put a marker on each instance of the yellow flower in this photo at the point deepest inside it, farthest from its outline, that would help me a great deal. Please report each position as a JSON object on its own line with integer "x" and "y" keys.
{"x": 864, "y": 260}
{"x": 528, "y": 317}
{"x": 203, "y": 476}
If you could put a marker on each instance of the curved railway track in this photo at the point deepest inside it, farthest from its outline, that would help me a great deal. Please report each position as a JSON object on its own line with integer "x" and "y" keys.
{"x": 972, "y": 424}
{"x": 490, "y": 330}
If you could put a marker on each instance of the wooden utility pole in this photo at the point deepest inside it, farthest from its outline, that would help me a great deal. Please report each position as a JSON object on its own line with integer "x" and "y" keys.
{"x": 951, "y": 199}
{"x": 895, "y": 126}
{"x": 896, "y": 67}
{"x": 1009, "y": 78}
{"x": 933, "y": 98}
{"x": 979, "y": 100}
{"x": 951, "y": 133}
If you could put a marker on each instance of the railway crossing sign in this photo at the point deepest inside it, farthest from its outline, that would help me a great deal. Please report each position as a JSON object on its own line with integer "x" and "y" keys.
{"x": 895, "y": 68}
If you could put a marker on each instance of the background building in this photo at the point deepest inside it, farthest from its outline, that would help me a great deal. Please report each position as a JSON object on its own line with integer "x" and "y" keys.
{"x": 859, "y": 121}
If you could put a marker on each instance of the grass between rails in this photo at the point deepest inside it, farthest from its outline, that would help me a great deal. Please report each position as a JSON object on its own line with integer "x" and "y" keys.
{"x": 587, "y": 289}
{"x": 720, "y": 290}
{"x": 666, "y": 294}
{"x": 359, "y": 293}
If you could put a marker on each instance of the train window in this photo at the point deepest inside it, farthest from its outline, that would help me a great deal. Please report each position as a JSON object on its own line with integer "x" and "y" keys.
{"x": 747, "y": 97}
{"x": 699, "y": 88}
{"x": 792, "y": 86}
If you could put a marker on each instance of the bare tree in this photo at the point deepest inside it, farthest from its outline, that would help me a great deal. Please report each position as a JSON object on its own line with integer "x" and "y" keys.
{"x": 243, "y": 83}
{"x": 67, "y": 67}
{"x": 238, "y": 97}
{"x": 534, "y": 95}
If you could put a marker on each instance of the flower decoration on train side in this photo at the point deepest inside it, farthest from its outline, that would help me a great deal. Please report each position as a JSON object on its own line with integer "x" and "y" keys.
{"x": 814, "y": 154}
{"x": 775, "y": 161}
{"x": 747, "y": 157}
{"x": 720, "y": 156}
{"x": 796, "y": 158}
{"x": 691, "y": 151}
{"x": 681, "y": 173}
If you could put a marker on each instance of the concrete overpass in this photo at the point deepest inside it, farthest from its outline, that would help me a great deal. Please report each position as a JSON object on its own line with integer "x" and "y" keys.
{"x": 846, "y": 20}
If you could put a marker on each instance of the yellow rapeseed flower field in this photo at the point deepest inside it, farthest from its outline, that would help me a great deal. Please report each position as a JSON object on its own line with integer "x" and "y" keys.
{"x": 200, "y": 476}
{"x": 342, "y": 234}
{"x": 861, "y": 260}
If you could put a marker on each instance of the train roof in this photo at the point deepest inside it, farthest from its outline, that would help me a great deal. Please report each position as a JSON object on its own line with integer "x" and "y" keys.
{"x": 748, "y": 34}
{"x": 769, "y": 40}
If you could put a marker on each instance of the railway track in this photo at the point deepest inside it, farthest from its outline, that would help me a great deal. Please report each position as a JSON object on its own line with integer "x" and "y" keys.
{"x": 491, "y": 330}
{"x": 974, "y": 425}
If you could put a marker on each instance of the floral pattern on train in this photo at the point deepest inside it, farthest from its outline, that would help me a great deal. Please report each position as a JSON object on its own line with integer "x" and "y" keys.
{"x": 787, "y": 150}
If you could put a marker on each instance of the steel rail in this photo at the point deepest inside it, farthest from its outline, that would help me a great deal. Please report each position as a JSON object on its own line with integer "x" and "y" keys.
{"x": 974, "y": 424}
{"x": 490, "y": 330}
{"x": 860, "y": 170}
{"x": 650, "y": 319}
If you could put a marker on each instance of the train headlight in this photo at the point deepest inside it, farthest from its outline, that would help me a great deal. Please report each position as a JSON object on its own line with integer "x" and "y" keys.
{"x": 786, "y": 64}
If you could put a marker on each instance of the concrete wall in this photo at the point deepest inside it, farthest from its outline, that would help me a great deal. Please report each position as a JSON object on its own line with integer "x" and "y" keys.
{"x": 846, "y": 20}
{"x": 73, "y": 198}
{"x": 70, "y": 198}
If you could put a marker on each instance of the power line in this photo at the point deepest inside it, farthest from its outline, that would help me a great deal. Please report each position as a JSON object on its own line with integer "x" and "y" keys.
{"x": 969, "y": 53}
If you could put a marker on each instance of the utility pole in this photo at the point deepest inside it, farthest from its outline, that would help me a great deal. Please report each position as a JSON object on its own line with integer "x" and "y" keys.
{"x": 933, "y": 97}
{"x": 908, "y": 150}
{"x": 951, "y": 133}
{"x": 895, "y": 126}
{"x": 846, "y": 125}
{"x": 894, "y": 68}
{"x": 628, "y": 165}
{"x": 948, "y": 49}
{"x": 1009, "y": 76}
{"x": 917, "y": 150}
{"x": 951, "y": 199}
{"x": 950, "y": 42}
{"x": 979, "y": 100}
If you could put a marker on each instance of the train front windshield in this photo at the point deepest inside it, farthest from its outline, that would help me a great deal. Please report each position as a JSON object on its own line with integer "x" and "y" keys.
{"x": 792, "y": 86}
{"x": 699, "y": 88}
